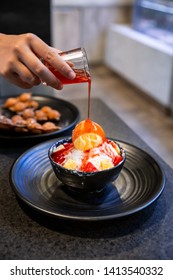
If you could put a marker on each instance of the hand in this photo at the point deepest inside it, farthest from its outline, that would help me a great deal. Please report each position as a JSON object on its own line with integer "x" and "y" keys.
{"x": 20, "y": 61}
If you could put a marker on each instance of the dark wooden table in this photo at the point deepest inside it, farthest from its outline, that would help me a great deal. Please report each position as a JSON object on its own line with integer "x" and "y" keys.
{"x": 25, "y": 234}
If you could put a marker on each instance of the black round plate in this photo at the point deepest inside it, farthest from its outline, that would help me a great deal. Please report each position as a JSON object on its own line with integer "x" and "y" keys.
{"x": 139, "y": 184}
{"x": 69, "y": 117}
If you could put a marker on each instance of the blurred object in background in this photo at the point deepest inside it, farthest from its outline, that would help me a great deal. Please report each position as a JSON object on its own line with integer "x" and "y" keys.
{"x": 143, "y": 52}
{"x": 22, "y": 16}
{"x": 84, "y": 23}
{"x": 154, "y": 18}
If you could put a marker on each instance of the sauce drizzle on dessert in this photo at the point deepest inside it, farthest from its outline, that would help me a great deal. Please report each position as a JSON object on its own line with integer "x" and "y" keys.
{"x": 90, "y": 150}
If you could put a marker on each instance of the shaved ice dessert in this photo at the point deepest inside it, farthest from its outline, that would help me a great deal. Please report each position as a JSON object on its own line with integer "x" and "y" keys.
{"x": 89, "y": 150}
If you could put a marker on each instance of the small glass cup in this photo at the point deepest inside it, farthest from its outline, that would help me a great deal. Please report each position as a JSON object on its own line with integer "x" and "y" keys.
{"x": 77, "y": 60}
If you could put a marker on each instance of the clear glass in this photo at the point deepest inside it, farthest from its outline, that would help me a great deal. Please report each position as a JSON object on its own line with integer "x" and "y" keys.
{"x": 77, "y": 59}
{"x": 154, "y": 18}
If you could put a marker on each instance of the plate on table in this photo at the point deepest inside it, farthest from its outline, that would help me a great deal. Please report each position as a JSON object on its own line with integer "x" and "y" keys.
{"x": 139, "y": 184}
{"x": 69, "y": 118}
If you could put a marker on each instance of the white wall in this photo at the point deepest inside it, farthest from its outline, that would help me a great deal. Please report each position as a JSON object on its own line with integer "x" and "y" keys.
{"x": 84, "y": 23}
{"x": 144, "y": 61}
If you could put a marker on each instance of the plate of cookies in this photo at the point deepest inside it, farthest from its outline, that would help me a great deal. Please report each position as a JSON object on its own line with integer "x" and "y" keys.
{"x": 36, "y": 116}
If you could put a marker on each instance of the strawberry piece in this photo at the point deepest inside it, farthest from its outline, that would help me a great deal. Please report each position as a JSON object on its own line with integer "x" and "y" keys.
{"x": 89, "y": 167}
{"x": 117, "y": 160}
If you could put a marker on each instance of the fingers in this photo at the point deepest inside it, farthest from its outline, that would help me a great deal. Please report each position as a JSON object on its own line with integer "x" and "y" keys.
{"x": 41, "y": 71}
{"x": 36, "y": 71}
{"x": 26, "y": 75}
{"x": 51, "y": 55}
{"x": 58, "y": 63}
{"x": 15, "y": 79}
{"x": 28, "y": 56}
{"x": 22, "y": 64}
{"x": 20, "y": 75}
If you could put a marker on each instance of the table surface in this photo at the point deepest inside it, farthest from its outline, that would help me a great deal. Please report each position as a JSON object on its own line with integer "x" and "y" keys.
{"x": 25, "y": 234}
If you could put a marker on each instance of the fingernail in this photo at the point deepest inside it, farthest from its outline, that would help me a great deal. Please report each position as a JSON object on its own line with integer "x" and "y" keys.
{"x": 71, "y": 75}
{"x": 59, "y": 86}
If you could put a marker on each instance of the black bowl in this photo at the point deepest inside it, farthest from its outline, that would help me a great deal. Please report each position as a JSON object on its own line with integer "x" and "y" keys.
{"x": 85, "y": 182}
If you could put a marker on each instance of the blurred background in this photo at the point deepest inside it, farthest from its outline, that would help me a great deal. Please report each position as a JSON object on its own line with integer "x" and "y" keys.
{"x": 129, "y": 44}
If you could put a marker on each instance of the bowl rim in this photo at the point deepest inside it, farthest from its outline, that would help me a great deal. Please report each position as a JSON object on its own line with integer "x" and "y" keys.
{"x": 81, "y": 173}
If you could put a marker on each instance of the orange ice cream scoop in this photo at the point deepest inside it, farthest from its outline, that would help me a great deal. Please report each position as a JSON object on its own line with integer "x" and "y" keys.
{"x": 87, "y": 134}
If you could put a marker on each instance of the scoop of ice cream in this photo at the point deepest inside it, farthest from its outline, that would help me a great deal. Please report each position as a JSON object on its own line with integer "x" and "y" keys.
{"x": 87, "y": 135}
